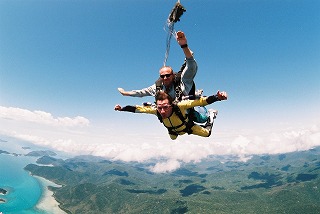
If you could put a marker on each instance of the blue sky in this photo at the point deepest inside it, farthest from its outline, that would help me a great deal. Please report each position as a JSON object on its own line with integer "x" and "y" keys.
{"x": 67, "y": 59}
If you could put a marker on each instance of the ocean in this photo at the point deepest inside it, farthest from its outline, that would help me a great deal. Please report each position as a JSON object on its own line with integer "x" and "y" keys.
{"x": 24, "y": 190}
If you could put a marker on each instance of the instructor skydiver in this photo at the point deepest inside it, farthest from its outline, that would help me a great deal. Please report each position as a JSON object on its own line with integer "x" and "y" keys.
{"x": 169, "y": 82}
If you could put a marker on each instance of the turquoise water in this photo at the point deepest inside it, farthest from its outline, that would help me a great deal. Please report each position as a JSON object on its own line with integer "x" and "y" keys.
{"x": 24, "y": 191}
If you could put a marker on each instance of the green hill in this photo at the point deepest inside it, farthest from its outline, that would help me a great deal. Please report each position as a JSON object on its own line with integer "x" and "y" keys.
{"x": 285, "y": 183}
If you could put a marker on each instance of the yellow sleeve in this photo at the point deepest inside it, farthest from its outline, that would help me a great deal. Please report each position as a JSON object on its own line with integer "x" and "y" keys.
{"x": 185, "y": 104}
{"x": 146, "y": 109}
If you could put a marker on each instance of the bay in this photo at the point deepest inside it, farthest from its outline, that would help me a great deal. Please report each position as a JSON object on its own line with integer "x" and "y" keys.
{"x": 24, "y": 191}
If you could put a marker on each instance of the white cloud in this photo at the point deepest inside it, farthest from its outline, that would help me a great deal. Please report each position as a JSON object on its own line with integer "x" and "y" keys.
{"x": 167, "y": 166}
{"x": 111, "y": 142}
{"x": 40, "y": 117}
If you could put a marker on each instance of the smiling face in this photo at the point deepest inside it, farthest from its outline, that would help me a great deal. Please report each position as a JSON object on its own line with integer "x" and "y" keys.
{"x": 164, "y": 108}
{"x": 166, "y": 74}
{"x": 164, "y": 104}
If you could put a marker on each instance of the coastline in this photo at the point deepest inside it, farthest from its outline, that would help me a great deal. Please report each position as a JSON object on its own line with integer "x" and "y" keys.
{"x": 47, "y": 202}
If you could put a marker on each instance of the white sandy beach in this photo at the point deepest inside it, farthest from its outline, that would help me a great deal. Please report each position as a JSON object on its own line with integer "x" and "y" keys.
{"x": 47, "y": 202}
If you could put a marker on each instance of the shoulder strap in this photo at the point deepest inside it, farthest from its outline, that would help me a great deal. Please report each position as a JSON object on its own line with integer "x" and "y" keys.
{"x": 159, "y": 85}
{"x": 177, "y": 110}
{"x": 177, "y": 86}
{"x": 159, "y": 117}
{"x": 178, "y": 90}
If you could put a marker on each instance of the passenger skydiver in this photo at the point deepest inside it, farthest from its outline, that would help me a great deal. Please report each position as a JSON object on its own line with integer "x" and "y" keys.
{"x": 173, "y": 114}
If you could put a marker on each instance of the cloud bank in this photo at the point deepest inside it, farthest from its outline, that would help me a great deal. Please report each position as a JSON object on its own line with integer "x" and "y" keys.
{"x": 77, "y": 136}
{"x": 40, "y": 117}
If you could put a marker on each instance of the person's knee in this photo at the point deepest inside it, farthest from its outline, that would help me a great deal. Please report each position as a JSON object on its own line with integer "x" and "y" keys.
{"x": 209, "y": 133}
{"x": 209, "y": 129}
{"x": 173, "y": 137}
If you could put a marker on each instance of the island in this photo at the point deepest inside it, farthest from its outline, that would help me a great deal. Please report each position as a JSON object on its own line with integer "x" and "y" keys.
{"x": 26, "y": 147}
{"x": 4, "y": 152}
{"x": 3, "y": 191}
{"x": 41, "y": 153}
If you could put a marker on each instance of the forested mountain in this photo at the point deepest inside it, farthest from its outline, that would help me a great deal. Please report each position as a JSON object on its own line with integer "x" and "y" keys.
{"x": 284, "y": 183}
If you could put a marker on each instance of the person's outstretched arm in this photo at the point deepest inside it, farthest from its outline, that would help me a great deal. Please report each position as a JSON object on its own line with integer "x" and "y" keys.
{"x": 149, "y": 91}
{"x": 182, "y": 41}
{"x": 136, "y": 109}
{"x": 221, "y": 95}
{"x": 125, "y": 108}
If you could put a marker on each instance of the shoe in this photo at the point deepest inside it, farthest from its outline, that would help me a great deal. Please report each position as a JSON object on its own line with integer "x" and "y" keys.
{"x": 212, "y": 115}
{"x": 198, "y": 93}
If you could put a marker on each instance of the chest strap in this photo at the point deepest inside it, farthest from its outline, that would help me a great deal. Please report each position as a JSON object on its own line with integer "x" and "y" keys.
{"x": 184, "y": 122}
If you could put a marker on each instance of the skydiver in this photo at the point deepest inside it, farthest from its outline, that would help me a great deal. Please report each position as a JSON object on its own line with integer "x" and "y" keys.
{"x": 173, "y": 114}
{"x": 177, "y": 85}
{"x": 185, "y": 84}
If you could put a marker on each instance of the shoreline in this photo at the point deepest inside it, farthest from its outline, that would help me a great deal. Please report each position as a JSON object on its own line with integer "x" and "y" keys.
{"x": 47, "y": 201}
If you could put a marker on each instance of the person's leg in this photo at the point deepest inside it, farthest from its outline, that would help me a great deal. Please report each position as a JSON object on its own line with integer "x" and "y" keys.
{"x": 202, "y": 131}
{"x": 173, "y": 137}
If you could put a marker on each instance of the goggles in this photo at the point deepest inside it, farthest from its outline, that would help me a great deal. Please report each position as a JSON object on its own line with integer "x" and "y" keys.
{"x": 164, "y": 107}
